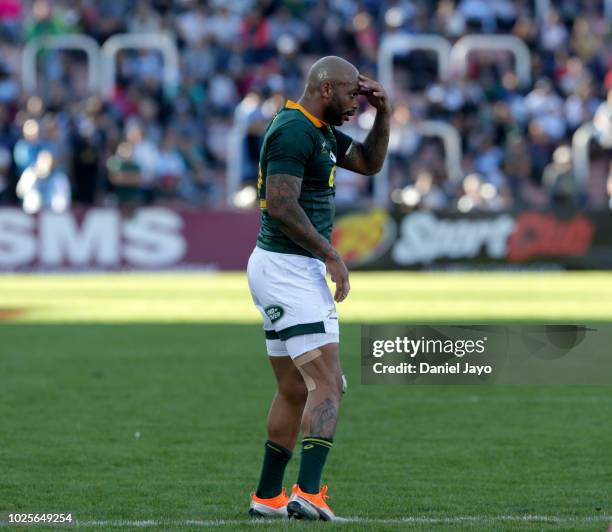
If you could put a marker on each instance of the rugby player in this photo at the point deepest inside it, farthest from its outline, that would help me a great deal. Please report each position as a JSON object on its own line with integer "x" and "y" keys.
{"x": 286, "y": 274}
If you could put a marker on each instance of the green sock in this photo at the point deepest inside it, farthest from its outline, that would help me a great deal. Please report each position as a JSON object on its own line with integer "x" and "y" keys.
{"x": 276, "y": 458}
{"x": 314, "y": 454}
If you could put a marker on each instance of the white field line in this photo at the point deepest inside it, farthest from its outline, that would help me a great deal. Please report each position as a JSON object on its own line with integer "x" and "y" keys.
{"x": 476, "y": 519}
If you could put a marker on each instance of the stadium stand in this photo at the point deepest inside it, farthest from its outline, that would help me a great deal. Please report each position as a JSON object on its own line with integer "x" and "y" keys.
{"x": 150, "y": 138}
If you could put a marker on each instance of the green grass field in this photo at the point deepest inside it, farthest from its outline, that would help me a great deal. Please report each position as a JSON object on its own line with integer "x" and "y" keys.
{"x": 138, "y": 402}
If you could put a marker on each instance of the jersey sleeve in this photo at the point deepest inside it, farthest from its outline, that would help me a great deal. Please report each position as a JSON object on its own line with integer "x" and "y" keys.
{"x": 342, "y": 141}
{"x": 288, "y": 151}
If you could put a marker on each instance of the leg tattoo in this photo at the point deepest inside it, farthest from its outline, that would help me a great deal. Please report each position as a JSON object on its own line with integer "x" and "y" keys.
{"x": 323, "y": 419}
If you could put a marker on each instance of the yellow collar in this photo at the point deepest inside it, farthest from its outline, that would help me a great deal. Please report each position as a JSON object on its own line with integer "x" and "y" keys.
{"x": 294, "y": 105}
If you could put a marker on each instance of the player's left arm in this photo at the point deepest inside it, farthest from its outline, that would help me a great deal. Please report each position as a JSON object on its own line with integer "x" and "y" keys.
{"x": 367, "y": 157}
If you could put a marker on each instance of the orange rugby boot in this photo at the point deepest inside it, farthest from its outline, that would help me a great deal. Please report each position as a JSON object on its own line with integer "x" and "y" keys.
{"x": 311, "y": 506}
{"x": 274, "y": 507}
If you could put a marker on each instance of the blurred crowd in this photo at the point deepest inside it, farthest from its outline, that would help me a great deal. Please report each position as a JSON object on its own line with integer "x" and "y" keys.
{"x": 62, "y": 145}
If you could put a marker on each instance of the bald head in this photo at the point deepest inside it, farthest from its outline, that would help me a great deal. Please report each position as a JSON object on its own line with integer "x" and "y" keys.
{"x": 332, "y": 69}
{"x": 332, "y": 90}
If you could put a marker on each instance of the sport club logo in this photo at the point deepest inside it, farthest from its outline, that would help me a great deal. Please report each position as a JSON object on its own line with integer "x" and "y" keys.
{"x": 425, "y": 238}
{"x": 543, "y": 235}
{"x": 363, "y": 238}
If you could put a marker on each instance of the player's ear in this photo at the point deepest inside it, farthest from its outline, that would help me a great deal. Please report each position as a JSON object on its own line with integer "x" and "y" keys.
{"x": 327, "y": 90}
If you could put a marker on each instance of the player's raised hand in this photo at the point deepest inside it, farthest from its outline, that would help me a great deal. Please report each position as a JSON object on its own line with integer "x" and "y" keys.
{"x": 375, "y": 93}
{"x": 340, "y": 276}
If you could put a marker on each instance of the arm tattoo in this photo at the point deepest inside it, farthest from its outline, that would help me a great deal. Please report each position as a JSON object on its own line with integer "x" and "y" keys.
{"x": 282, "y": 193}
{"x": 367, "y": 157}
{"x": 323, "y": 419}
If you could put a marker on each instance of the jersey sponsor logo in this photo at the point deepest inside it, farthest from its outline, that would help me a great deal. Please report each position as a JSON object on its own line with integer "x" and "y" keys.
{"x": 332, "y": 157}
{"x": 274, "y": 312}
{"x": 332, "y": 176}
{"x": 262, "y": 201}
{"x": 364, "y": 237}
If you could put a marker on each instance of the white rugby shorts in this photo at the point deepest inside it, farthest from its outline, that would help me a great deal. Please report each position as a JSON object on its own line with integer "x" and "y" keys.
{"x": 292, "y": 296}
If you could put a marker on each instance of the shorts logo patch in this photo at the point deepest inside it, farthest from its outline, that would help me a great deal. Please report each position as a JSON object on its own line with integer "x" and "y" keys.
{"x": 274, "y": 312}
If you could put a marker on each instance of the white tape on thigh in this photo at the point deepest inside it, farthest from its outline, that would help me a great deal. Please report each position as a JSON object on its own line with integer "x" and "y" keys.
{"x": 310, "y": 383}
{"x": 344, "y": 384}
{"x": 300, "y": 361}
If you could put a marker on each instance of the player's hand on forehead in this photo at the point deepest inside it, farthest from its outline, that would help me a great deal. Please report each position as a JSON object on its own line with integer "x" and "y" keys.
{"x": 367, "y": 85}
{"x": 374, "y": 93}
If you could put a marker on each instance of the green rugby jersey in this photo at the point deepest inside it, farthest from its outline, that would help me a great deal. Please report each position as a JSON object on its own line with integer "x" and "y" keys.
{"x": 299, "y": 144}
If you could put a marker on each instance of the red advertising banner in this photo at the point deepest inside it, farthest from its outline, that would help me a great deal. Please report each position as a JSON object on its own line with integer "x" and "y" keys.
{"x": 152, "y": 238}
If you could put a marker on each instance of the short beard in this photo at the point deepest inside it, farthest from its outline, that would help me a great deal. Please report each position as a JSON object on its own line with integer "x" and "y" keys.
{"x": 334, "y": 114}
